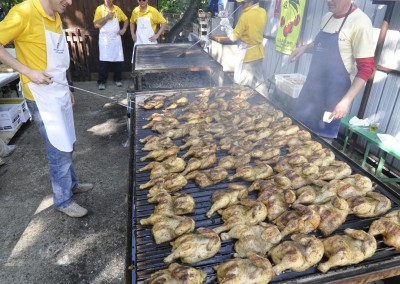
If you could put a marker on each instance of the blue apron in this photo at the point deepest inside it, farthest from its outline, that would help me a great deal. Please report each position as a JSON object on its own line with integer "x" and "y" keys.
{"x": 326, "y": 84}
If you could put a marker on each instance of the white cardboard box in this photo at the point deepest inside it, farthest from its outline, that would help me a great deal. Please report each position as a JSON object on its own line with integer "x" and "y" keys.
{"x": 23, "y": 110}
{"x": 290, "y": 84}
{"x": 9, "y": 117}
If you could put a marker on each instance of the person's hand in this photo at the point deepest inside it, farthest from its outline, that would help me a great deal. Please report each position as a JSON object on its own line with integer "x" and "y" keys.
{"x": 225, "y": 22}
{"x": 134, "y": 37}
{"x": 153, "y": 38}
{"x": 39, "y": 77}
{"x": 341, "y": 109}
{"x": 72, "y": 98}
{"x": 110, "y": 15}
{"x": 122, "y": 32}
{"x": 297, "y": 53}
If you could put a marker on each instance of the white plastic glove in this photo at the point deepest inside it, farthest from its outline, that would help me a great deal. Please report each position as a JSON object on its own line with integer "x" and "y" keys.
{"x": 225, "y": 22}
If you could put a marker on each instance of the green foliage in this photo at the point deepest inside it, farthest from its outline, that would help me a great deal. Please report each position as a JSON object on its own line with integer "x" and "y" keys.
{"x": 8, "y": 4}
{"x": 178, "y": 6}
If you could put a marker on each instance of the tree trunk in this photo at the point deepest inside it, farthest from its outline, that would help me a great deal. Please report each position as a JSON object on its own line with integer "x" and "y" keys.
{"x": 187, "y": 16}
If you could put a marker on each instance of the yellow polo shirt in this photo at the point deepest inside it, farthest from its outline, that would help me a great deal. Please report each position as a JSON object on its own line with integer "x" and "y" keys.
{"x": 250, "y": 30}
{"x": 151, "y": 12}
{"x": 25, "y": 25}
{"x": 101, "y": 12}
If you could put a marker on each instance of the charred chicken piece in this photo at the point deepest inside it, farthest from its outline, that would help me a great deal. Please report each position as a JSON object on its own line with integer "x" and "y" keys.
{"x": 290, "y": 162}
{"x": 172, "y": 164}
{"x": 360, "y": 183}
{"x": 175, "y": 101}
{"x": 351, "y": 248}
{"x": 253, "y": 269}
{"x": 372, "y": 205}
{"x": 276, "y": 200}
{"x": 177, "y": 204}
{"x": 161, "y": 154}
{"x": 265, "y": 153}
{"x": 171, "y": 183}
{"x": 224, "y": 198}
{"x": 200, "y": 151}
{"x": 256, "y": 238}
{"x": 296, "y": 180}
{"x": 299, "y": 254}
{"x": 158, "y": 143}
{"x": 333, "y": 214}
{"x": 298, "y": 138}
{"x": 249, "y": 212}
{"x": 154, "y": 102}
{"x": 178, "y": 274}
{"x": 336, "y": 170}
{"x": 208, "y": 177}
{"x": 202, "y": 163}
{"x": 234, "y": 162}
{"x": 300, "y": 220}
{"x": 192, "y": 248}
{"x": 162, "y": 125}
{"x": 167, "y": 228}
{"x": 198, "y": 141}
{"x": 306, "y": 149}
{"x": 322, "y": 157}
{"x": 312, "y": 194}
{"x": 252, "y": 173}
{"x": 389, "y": 227}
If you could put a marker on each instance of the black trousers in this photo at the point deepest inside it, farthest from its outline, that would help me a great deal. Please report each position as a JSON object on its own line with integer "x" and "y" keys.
{"x": 104, "y": 66}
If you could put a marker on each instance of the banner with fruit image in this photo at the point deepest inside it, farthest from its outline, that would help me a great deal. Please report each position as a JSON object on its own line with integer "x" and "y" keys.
{"x": 292, "y": 12}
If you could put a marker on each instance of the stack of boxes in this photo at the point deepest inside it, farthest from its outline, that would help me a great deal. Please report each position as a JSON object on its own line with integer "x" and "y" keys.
{"x": 13, "y": 112}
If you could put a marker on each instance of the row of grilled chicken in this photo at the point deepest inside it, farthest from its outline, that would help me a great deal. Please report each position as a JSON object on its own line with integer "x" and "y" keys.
{"x": 304, "y": 190}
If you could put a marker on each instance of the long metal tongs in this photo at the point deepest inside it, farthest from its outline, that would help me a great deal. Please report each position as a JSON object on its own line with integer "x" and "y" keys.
{"x": 183, "y": 54}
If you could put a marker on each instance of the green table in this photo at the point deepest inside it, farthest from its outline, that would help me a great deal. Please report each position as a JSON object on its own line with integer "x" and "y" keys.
{"x": 372, "y": 139}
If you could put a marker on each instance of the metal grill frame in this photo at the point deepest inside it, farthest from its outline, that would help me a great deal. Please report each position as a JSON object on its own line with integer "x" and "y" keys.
{"x": 144, "y": 257}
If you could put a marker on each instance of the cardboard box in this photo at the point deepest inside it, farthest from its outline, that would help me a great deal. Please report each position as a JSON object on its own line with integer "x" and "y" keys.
{"x": 9, "y": 117}
{"x": 23, "y": 110}
{"x": 290, "y": 84}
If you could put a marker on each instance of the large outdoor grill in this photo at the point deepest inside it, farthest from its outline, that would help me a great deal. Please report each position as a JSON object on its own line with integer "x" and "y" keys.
{"x": 145, "y": 257}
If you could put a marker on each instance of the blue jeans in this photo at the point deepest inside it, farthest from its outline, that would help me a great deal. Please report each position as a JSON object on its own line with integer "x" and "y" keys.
{"x": 62, "y": 173}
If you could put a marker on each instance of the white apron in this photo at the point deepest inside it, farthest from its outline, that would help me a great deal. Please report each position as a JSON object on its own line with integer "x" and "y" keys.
{"x": 54, "y": 100}
{"x": 110, "y": 43}
{"x": 143, "y": 32}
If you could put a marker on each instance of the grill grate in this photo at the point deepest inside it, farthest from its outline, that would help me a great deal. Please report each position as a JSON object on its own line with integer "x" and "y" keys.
{"x": 147, "y": 257}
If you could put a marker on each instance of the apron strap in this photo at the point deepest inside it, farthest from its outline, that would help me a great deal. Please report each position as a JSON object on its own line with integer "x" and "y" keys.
{"x": 344, "y": 20}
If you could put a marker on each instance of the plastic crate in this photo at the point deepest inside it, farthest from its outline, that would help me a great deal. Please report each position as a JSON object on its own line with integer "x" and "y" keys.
{"x": 290, "y": 84}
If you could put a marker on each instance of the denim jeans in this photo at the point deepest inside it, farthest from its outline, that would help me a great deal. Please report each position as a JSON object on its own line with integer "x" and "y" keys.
{"x": 62, "y": 173}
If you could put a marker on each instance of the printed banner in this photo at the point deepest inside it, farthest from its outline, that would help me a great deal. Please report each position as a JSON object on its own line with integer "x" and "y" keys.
{"x": 292, "y": 12}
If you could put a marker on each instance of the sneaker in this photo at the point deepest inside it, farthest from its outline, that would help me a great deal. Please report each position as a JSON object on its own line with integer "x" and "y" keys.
{"x": 118, "y": 84}
{"x": 73, "y": 210}
{"x": 82, "y": 187}
{"x": 102, "y": 86}
{"x": 2, "y": 162}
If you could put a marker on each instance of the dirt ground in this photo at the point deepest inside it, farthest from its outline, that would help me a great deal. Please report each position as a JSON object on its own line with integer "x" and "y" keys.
{"x": 41, "y": 245}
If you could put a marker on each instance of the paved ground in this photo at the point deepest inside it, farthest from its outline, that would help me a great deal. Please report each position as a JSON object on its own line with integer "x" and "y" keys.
{"x": 41, "y": 245}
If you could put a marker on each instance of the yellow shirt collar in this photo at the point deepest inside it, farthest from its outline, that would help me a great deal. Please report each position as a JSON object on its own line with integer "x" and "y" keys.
{"x": 41, "y": 11}
{"x": 251, "y": 7}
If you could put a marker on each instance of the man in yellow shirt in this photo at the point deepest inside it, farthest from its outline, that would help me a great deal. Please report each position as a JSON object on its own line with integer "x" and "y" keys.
{"x": 42, "y": 60}
{"x": 249, "y": 35}
{"x": 143, "y": 24}
{"x": 107, "y": 18}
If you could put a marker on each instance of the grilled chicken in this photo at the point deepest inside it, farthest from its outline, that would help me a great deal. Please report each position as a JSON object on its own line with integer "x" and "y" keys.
{"x": 333, "y": 214}
{"x": 177, "y": 204}
{"x": 323, "y": 157}
{"x": 208, "y": 177}
{"x": 298, "y": 138}
{"x": 300, "y": 220}
{"x": 157, "y": 143}
{"x": 276, "y": 200}
{"x": 167, "y": 228}
{"x": 299, "y": 254}
{"x": 154, "y": 102}
{"x": 290, "y": 162}
{"x": 310, "y": 194}
{"x": 195, "y": 247}
{"x": 249, "y": 212}
{"x": 306, "y": 149}
{"x": 161, "y": 154}
{"x": 252, "y": 173}
{"x": 200, "y": 151}
{"x": 255, "y": 238}
{"x": 175, "y": 101}
{"x": 233, "y": 162}
{"x": 265, "y": 153}
{"x": 197, "y": 141}
{"x": 205, "y": 162}
{"x": 351, "y": 248}
{"x": 336, "y": 170}
{"x": 389, "y": 227}
{"x": 224, "y": 198}
{"x": 162, "y": 126}
{"x": 171, "y": 182}
{"x": 372, "y": 205}
{"x": 178, "y": 274}
{"x": 254, "y": 269}
{"x": 172, "y": 164}
{"x": 294, "y": 179}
